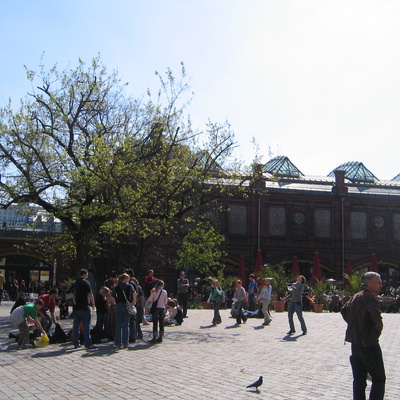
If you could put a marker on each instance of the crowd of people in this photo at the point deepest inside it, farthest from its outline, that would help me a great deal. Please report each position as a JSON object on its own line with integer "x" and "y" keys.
{"x": 118, "y": 322}
{"x": 114, "y": 322}
{"x": 14, "y": 288}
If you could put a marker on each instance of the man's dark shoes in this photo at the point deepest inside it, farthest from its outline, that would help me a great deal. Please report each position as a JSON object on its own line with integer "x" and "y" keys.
{"x": 304, "y": 333}
{"x": 152, "y": 340}
{"x": 291, "y": 332}
{"x": 159, "y": 340}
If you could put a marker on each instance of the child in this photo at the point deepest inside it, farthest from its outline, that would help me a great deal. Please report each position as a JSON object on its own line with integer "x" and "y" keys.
{"x": 24, "y": 315}
{"x": 63, "y": 309}
{"x": 172, "y": 311}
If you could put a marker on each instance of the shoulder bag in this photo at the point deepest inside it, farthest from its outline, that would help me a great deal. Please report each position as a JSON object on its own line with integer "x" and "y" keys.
{"x": 153, "y": 307}
{"x": 129, "y": 306}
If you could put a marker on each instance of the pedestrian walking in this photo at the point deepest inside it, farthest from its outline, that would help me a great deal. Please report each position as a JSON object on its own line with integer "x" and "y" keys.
{"x": 364, "y": 326}
{"x": 265, "y": 298}
{"x": 238, "y": 298}
{"x": 216, "y": 299}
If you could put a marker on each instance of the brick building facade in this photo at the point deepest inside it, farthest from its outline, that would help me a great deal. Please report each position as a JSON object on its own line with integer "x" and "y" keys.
{"x": 346, "y": 216}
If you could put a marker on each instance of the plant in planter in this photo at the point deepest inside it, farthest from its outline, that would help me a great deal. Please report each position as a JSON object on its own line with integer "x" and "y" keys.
{"x": 279, "y": 283}
{"x": 319, "y": 298}
{"x": 355, "y": 286}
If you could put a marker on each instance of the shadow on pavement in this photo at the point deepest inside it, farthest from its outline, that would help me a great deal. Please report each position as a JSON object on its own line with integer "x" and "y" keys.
{"x": 289, "y": 338}
{"x": 259, "y": 327}
{"x": 207, "y": 326}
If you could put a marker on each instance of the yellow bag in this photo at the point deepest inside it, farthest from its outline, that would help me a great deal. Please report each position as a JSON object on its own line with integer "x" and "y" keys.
{"x": 43, "y": 341}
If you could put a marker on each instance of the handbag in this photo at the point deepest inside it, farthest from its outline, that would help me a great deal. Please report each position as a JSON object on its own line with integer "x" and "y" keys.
{"x": 153, "y": 307}
{"x": 129, "y": 306}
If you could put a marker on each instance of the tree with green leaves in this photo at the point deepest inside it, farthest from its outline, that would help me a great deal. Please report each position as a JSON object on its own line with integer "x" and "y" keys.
{"x": 108, "y": 165}
{"x": 200, "y": 250}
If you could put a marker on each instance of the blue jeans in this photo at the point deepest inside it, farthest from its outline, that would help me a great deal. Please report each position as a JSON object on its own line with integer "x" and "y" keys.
{"x": 46, "y": 322}
{"x": 366, "y": 360}
{"x": 84, "y": 316}
{"x": 240, "y": 316}
{"x": 252, "y": 302}
{"x": 296, "y": 306}
{"x": 122, "y": 320}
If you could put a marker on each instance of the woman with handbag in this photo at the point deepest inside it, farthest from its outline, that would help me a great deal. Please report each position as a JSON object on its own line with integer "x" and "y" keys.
{"x": 123, "y": 292}
{"x": 159, "y": 298}
{"x": 239, "y": 297}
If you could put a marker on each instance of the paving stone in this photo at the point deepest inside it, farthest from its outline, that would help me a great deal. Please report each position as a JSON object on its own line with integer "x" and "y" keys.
{"x": 198, "y": 361}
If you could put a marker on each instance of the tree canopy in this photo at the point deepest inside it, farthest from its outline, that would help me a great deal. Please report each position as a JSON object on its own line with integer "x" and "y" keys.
{"x": 200, "y": 249}
{"x": 104, "y": 162}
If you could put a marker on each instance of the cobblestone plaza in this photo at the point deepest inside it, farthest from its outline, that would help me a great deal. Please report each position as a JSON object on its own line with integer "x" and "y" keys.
{"x": 197, "y": 360}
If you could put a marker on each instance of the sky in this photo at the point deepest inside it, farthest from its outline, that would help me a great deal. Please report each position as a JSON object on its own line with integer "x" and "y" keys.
{"x": 317, "y": 81}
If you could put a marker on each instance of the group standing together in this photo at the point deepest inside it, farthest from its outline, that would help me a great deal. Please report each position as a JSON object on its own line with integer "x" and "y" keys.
{"x": 362, "y": 313}
{"x": 112, "y": 308}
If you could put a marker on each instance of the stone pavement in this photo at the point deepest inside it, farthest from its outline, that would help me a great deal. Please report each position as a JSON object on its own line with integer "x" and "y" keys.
{"x": 198, "y": 361}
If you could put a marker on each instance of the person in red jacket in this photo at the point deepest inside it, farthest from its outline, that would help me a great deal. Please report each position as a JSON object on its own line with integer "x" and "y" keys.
{"x": 49, "y": 305}
{"x": 364, "y": 326}
{"x": 149, "y": 283}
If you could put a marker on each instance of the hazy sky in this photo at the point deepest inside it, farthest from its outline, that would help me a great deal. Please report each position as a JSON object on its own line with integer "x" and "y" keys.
{"x": 317, "y": 80}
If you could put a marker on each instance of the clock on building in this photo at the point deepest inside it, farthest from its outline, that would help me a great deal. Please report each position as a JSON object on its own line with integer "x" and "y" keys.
{"x": 379, "y": 221}
{"x": 299, "y": 218}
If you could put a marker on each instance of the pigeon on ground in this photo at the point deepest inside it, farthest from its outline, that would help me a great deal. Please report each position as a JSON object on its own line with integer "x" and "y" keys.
{"x": 257, "y": 383}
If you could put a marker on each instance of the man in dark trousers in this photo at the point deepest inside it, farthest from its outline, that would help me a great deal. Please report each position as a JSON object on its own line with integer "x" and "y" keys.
{"x": 364, "y": 326}
{"x": 49, "y": 304}
{"x": 84, "y": 304}
{"x": 183, "y": 292}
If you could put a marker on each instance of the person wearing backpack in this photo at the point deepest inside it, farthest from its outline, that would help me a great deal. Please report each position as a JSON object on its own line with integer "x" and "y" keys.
{"x": 216, "y": 299}
{"x": 252, "y": 292}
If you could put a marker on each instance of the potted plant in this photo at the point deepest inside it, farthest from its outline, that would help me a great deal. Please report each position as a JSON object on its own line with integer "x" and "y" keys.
{"x": 319, "y": 299}
{"x": 354, "y": 286}
{"x": 279, "y": 283}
